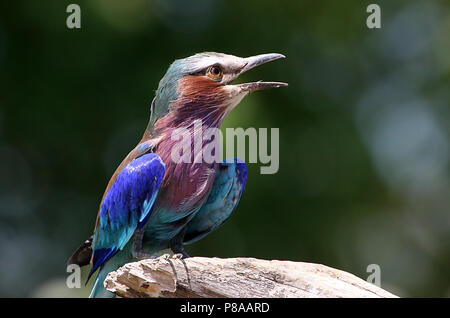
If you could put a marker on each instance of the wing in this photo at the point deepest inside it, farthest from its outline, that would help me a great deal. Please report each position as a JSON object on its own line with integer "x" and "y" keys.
{"x": 126, "y": 206}
{"x": 224, "y": 196}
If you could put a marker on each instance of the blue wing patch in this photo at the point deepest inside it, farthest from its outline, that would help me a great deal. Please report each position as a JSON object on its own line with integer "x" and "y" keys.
{"x": 225, "y": 194}
{"x": 126, "y": 207}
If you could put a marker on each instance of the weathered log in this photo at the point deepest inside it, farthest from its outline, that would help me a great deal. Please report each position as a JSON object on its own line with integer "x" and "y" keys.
{"x": 235, "y": 277}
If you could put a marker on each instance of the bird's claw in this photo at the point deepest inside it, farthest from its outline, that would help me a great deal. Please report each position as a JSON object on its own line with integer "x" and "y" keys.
{"x": 165, "y": 256}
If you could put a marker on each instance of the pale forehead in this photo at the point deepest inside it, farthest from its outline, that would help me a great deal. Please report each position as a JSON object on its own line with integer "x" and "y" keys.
{"x": 218, "y": 58}
{"x": 203, "y": 60}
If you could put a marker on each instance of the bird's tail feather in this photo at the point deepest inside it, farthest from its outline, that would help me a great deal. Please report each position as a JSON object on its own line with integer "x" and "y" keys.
{"x": 122, "y": 257}
{"x": 98, "y": 290}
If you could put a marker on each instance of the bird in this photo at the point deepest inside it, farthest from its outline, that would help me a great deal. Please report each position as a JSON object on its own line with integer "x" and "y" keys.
{"x": 152, "y": 202}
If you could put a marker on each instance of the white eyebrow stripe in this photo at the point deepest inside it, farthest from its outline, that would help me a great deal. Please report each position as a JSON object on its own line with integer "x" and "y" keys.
{"x": 227, "y": 62}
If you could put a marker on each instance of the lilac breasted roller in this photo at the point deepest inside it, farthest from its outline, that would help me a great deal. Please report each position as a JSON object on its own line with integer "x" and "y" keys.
{"x": 153, "y": 202}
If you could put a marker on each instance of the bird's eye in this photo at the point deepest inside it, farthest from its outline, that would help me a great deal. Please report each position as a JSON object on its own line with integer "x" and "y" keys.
{"x": 214, "y": 72}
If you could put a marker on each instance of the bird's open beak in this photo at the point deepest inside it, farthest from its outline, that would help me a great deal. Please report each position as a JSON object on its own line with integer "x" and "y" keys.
{"x": 253, "y": 61}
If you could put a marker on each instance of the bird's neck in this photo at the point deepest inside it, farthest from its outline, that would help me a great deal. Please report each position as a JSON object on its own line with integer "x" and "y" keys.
{"x": 200, "y": 104}
{"x": 174, "y": 129}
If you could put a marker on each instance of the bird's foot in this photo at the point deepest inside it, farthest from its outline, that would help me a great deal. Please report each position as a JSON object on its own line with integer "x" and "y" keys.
{"x": 137, "y": 251}
{"x": 165, "y": 256}
{"x": 179, "y": 252}
{"x": 141, "y": 255}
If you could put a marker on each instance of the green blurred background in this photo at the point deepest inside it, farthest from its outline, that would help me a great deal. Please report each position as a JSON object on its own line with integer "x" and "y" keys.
{"x": 364, "y": 130}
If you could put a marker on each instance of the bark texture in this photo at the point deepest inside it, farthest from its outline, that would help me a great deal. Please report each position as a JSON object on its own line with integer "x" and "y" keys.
{"x": 235, "y": 277}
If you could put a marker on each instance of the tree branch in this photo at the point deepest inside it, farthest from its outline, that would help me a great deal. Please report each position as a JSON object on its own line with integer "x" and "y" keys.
{"x": 235, "y": 277}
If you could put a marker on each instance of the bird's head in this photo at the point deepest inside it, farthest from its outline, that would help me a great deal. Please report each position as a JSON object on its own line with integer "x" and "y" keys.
{"x": 199, "y": 88}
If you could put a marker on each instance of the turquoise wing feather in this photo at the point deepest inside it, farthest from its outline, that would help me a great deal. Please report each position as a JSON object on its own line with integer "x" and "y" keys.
{"x": 225, "y": 194}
